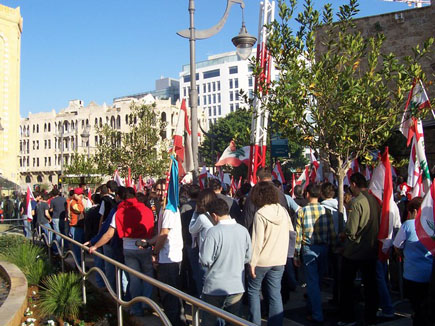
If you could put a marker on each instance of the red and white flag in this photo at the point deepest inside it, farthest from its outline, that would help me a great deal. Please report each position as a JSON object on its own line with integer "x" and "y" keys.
{"x": 293, "y": 185}
{"x": 304, "y": 179}
{"x": 381, "y": 186}
{"x": 233, "y": 186}
{"x": 277, "y": 173}
{"x": 314, "y": 167}
{"x": 425, "y": 221}
{"x": 118, "y": 179}
{"x": 183, "y": 142}
{"x": 234, "y": 157}
{"x": 29, "y": 198}
{"x": 129, "y": 182}
{"x": 89, "y": 194}
{"x": 417, "y": 100}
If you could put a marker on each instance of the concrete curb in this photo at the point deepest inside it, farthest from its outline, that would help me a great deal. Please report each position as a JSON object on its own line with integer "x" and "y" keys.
{"x": 13, "y": 308}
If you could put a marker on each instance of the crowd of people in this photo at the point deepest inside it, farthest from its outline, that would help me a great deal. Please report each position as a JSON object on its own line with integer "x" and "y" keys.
{"x": 263, "y": 243}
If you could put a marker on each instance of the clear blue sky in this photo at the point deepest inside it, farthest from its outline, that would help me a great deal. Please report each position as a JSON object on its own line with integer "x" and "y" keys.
{"x": 95, "y": 50}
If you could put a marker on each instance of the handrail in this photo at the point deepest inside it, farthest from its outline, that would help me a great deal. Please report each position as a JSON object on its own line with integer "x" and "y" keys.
{"x": 116, "y": 294}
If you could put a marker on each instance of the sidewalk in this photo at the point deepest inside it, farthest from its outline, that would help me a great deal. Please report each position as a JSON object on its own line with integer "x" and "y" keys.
{"x": 294, "y": 309}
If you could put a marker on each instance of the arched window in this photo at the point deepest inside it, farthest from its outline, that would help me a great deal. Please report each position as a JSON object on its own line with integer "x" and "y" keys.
{"x": 50, "y": 178}
{"x": 118, "y": 122}
{"x": 112, "y": 122}
{"x": 163, "y": 117}
{"x": 87, "y": 122}
{"x": 45, "y": 127}
{"x": 39, "y": 178}
{"x": 49, "y": 127}
{"x": 37, "y": 128}
{"x": 28, "y": 179}
{"x": 101, "y": 122}
{"x": 126, "y": 119}
{"x": 96, "y": 121}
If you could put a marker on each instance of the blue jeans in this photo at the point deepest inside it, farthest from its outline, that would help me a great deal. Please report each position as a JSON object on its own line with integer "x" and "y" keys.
{"x": 98, "y": 262}
{"x": 47, "y": 233}
{"x": 78, "y": 234}
{"x": 384, "y": 292}
{"x": 314, "y": 259}
{"x": 272, "y": 276}
{"x": 230, "y": 303}
{"x": 55, "y": 223}
{"x": 27, "y": 228}
{"x": 290, "y": 268}
{"x": 139, "y": 260}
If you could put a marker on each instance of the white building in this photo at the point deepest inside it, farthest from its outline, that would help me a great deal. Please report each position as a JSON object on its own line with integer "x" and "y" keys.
{"x": 219, "y": 82}
{"x": 42, "y": 134}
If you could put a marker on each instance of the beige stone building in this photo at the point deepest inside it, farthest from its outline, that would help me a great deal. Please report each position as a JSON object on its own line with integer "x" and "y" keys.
{"x": 11, "y": 26}
{"x": 42, "y": 134}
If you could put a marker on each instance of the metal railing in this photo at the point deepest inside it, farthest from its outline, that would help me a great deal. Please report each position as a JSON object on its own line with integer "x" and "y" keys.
{"x": 116, "y": 294}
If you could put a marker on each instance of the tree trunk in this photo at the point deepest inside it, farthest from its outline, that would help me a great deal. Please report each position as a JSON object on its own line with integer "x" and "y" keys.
{"x": 340, "y": 176}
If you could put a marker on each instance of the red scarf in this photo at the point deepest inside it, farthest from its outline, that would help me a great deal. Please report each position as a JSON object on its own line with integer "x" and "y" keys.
{"x": 134, "y": 220}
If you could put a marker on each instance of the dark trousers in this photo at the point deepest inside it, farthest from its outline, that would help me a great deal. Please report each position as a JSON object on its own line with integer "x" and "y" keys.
{"x": 349, "y": 268}
{"x": 417, "y": 294}
{"x": 170, "y": 274}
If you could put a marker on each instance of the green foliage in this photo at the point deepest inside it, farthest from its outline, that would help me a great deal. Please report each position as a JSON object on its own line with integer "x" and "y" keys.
{"x": 235, "y": 126}
{"x": 61, "y": 296}
{"x": 11, "y": 240}
{"x": 137, "y": 148}
{"x": 337, "y": 91}
{"x": 30, "y": 259}
{"x": 82, "y": 165}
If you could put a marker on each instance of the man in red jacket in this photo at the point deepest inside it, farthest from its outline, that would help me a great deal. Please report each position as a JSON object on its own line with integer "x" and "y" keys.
{"x": 133, "y": 221}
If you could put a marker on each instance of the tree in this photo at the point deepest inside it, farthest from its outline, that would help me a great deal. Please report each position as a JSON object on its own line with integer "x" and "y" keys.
{"x": 82, "y": 166}
{"x": 141, "y": 148}
{"x": 235, "y": 126}
{"x": 337, "y": 91}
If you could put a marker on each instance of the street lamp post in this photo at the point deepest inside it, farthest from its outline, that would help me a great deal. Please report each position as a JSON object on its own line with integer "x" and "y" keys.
{"x": 86, "y": 137}
{"x": 243, "y": 42}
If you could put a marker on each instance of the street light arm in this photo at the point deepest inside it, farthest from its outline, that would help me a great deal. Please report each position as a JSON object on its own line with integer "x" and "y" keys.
{"x": 206, "y": 33}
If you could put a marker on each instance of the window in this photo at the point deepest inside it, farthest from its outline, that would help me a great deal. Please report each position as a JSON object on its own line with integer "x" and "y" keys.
{"x": 209, "y": 87}
{"x": 214, "y": 98}
{"x": 231, "y": 107}
{"x": 198, "y": 100}
{"x": 204, "y": 100}
{"x": 37, "y": 161}
{"x": 237, "y": 106}
{"x": 96, "y": 140}
{"x": 250, "y": 81}
{"x": 236, "y": 82}
{"x": 233, "y": 70}
{"x": 219, "y": 97}
{"x": 37, "y": 144}
{"x": 118, "y": 122}
{"x": 186, "y": 79}
{"x": 184, "y": 91}
{"x": 219, "y": 110}
{"x": 237, "y": 96}
{"x": 209, "y": 99}
{"x": 28, "y": 179}
{"x": 218, "y": 85}
{"x": 214, "y": 111}
{"x": 33, "y": 143}
{"x": 211, "y": 73}
{"x": 37, "y": 128}
{"x": 45, "y": 144}
{"x": 204, "y": 88}
{"x": 209, "y": 112}
{"x": 34, "y": 162}
{"x": 231, "y": 83}
{"x": 214, "y": 86}
{"x": 45, "y": 161}
{"x": 197, "y": 88}
{"x": 231, "y": 96}
{"x": 39, "y": 178}
{"x": 251, "y": 68}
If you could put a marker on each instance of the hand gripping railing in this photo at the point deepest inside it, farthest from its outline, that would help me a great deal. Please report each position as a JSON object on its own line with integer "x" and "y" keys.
{"x": 116, "y": 293}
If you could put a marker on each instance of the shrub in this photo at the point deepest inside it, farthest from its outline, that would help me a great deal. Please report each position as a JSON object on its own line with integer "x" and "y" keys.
{"x": 11, "y": 240}
{"x": 30, "y": 259}
{"x": 61, "y": 296}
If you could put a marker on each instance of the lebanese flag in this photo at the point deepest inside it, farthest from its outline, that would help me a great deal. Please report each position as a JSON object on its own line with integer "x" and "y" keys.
{"x": 314, "y": 167}
{"x": 202, "y": 177}
{"x": 425, "y": 221}
{"x": 240, "y": 183}
{"x": 118, "y": 179}
{"x": 140, "y": 184}
{"x": 417, "y": 100}
{"x": 304, "y": 179}
{"x": 277, "y": 173}
{"x": 234, "y": 157}
{"x": 417, "y": 190}
{"x": 414, "y": 171}
{"x": 29, "y": 198}
{"x": 183, "y": 142}
{"x": 129, "y": 183}
{"x": 89, "y": 194}
{"x": 381, "y": 186}
{"x": 421, "y": 155}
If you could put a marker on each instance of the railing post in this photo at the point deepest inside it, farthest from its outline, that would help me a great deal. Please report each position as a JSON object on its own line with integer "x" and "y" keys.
{"x": 49, "y": 244}
{"x": 195, "y": 316}
{"x": 62, "y": 247}
{"x": 82, "y": 256}
{"x": 119, "y": 294}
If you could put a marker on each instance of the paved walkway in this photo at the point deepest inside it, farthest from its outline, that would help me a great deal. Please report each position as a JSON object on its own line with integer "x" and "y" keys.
{"x": 295, "y": 312}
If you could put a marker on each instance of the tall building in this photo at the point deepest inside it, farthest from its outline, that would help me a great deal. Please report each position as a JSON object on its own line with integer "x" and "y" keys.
{"x": 49, "y": 139}
{"x": 219, "y": 82}
{"x": 11, "y": 27}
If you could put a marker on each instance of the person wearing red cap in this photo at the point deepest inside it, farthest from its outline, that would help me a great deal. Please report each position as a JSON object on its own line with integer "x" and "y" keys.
{"x": 77, "y": 220}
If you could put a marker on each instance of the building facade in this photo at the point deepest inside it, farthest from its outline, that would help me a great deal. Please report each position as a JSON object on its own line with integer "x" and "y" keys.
{"x": 219, "y": 82}
{"x": 11, "y": 27}
{"x": 48, "y": 140}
